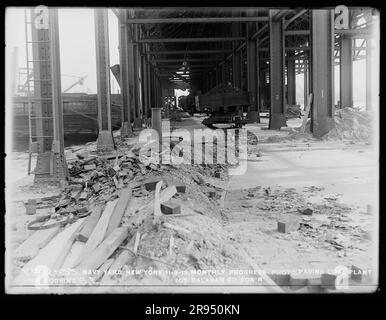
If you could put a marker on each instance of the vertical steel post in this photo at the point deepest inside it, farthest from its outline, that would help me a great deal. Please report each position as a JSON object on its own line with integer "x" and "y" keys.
{"x": 322, "y": 71}
{"x": 291, "y": 80}
{"x": 276, "y": 65}
{"x": 105, "y": 140}
{"x": 346, "y": 74}
{"x": 368, "y": 75}
{"x": 252, "y": 70}
{"x": 124, "y": 71}
{"x": 51, "y": 162}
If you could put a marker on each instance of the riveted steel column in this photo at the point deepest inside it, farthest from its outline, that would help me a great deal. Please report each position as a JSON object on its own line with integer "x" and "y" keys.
{"x": 322, "y": 71}
{"x": 368, "y": 75}
{"x": 124, "y": 73}
{"x": 252, "y": 70}
{"x": 105, "y": 140}
{"x": 291, "y": 80}
{"x": 236, "y": 59}
{"x": 346, "y": 75}
{"x": 51, "y": 163}
{"x": 276, "y": 65}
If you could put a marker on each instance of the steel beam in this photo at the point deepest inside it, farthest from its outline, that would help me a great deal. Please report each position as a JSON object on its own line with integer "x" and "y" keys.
{"x": 322, "y": 71}
{"x": 197, "y": 20}
{"x": 291, "y": 81}
{"x": 346, "y": 74}
{"x": 124, "y": 74}
{"x": 167, "y": 40}
{"x": 296, "y": 32}
{"x": 187, "y": 52}
{"x": 277, "y": 65}
{"x": 105, "y": 140}
{"x": 174, "y": 66}
{"x": 187, "y": 60}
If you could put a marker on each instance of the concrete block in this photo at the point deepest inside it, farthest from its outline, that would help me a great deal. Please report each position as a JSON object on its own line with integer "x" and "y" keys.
{"x": 96, "y": 187}
{"x": 170, "y": 207}
{"x": 281, "y": 279}
{"x": 297, "y": 281}
{"x": 30, "y": 207}
{"x": 307, "y": 211}
{"x": 181, "y": 188}
{"x": 151, "y": 183}
{"x": 328, "y": 281}
{"x": 287, "y": 224}
{"x": 89, "y": 167}
{"x": 212, "y": 194}
{"x": 361, "y": 274}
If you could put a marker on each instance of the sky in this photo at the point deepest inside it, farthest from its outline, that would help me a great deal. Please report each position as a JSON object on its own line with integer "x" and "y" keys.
{"x": 77, "y": 51}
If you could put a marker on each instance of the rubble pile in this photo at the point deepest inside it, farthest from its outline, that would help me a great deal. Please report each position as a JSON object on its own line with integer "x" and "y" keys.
{"x": 109, "y": 217}
{"x": 351, "y": 125}
{"x": 322, "y": 224}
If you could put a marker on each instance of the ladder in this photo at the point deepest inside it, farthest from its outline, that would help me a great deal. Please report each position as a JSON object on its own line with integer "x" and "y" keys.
{"x": 33, "y": 143}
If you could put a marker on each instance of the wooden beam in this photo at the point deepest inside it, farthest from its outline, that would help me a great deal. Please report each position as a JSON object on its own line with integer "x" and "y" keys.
{"x": 119, "y": 210}
{"x": 105, "y": 249}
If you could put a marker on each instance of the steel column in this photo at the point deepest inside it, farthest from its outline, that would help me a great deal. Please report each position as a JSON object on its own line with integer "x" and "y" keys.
{"x": 291, "y": 80}
{"x": 322, "y": 71}
{"x": 252, "y": 72}
{"x": 124, "y": 74}
{"x": 276, "y": 64}
{"x": 346, "y": 65}
{"x": 105, "y": 140}
{"x": 306, "y": 83}
{"x": 51, "y": 163}
{"x": 368, "y": 75}
{"x": 236, "y": 61}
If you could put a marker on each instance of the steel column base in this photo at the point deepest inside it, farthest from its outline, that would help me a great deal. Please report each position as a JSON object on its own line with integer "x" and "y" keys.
{"x": 322, "y": 126}
{"x": 51, "y": 167}
{"x": 277, "y": 121}
{"x": 253, "y": 117}
{"x": 125, "y": 129}
{"x": 137, "y": 124}
{"x": 105, "y": 141}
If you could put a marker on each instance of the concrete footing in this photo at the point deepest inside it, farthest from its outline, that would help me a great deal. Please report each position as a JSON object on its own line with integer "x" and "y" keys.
{"x": 50, "y": 166}
{"x": 252, "y": 116}
{"x": 105, "y": 141}
{"x": 125, "y": 129}
{"x": 277, "y": 121}
{"x": 156, "y": 121}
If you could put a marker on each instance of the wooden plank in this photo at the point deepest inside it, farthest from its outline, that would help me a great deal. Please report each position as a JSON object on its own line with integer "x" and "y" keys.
{"x": 105, "y": 249}
{"x": 49, "y": 256}
{"x": 270, "y": 284}
{"x": 176, "y": 228}
{"x": 119, "y": 210}
{"x": 103, "y": 269}
{"x": 90, "y": 224}
{"x": 73, "y": 255}
{"x": 157, "y": 203}
{"x": 306, "y": 114}
{"x": 99, "y": 231}
{"x": 136, "y": 243}
{"x": 117, "y": 265}
{"x": 29, "y": 249}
